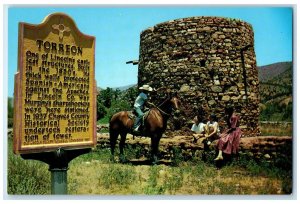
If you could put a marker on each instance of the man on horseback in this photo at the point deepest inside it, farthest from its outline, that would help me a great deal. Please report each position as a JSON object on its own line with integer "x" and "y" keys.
{"x": 139, "y": 105}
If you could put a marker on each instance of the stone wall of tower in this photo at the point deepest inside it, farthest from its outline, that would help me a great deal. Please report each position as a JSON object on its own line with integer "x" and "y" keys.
{"x": 209, "y": 61}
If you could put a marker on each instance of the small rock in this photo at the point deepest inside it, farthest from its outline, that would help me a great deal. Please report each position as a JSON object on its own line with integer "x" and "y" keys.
{"x": 226, "y": 98}
{"x": 216, "y": 89}
{"x": 184, "y": 88}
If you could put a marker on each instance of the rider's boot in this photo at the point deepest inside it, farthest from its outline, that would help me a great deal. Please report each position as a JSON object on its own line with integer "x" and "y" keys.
{"x": 136, "y": 131}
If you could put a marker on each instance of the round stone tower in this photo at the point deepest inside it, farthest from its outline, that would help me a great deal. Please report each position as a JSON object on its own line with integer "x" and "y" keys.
{"x": 209, "y": 61}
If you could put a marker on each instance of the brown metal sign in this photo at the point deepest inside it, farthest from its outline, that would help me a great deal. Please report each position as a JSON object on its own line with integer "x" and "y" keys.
{"x": 55, "y": 88}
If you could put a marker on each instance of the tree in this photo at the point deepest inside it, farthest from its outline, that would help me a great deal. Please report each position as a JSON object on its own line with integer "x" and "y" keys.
{"x": 117, "y": 94}
{"x": 10, "y": 108}
{"x": 101, "y": 110}
{"x": 131, "y": 95}
{"x": 106, "y": 96}
{"x": 117, "y": 106}
{"x": 10, "y": 112}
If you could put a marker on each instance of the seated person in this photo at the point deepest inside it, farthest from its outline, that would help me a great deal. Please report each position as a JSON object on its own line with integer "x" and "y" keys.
{"x": 211, "y": 129}
{"x": 230, "y": 139}
{"x": 198, "y": 127}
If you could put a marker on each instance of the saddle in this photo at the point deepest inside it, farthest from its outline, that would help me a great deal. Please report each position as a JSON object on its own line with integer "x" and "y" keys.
{"x": 132, "y": 115}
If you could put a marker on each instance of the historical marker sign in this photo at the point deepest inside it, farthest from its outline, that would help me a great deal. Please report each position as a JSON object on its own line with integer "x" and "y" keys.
{"x": 55, "y": 89}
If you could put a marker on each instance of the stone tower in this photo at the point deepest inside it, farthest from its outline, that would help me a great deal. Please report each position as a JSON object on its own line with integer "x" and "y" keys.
{"x": 209, "y": 61}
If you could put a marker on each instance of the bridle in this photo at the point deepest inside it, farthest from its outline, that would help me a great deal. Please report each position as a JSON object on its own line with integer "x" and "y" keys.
{"x": 175, "y": 101}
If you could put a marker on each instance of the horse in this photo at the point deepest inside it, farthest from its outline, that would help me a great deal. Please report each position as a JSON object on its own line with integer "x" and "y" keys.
{"x": 154, "y": 126}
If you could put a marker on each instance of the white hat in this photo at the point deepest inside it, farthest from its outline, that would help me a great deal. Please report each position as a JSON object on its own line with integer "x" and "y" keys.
{"x": 146, "y": 88}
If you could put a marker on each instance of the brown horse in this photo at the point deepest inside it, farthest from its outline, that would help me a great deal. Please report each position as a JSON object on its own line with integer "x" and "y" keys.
{"x": 154, "y": 126}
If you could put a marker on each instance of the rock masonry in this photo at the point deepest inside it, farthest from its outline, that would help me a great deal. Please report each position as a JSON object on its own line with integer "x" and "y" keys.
{"x": 209, "y": 61}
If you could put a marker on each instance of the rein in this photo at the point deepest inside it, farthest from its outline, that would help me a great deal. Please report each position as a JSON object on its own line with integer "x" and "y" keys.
{"x": 158, "y": 107}
{"x": 163, "y": 112}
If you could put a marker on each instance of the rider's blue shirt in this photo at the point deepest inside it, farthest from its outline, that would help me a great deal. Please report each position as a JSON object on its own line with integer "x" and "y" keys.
{"x": 140, "y": 100}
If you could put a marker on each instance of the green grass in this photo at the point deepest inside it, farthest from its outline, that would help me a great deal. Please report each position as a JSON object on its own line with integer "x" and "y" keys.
{"x": 104, "y": 120}
{"x": 276, "y": 130}
{"x": 26, "y": 177}
{"x": 94, "y": 173}
{"x": 115, "y": 175}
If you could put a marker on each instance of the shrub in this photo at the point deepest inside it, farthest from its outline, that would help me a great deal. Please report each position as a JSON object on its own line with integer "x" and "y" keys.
{"x": 174, "y": 181}
{"x": 153, "y": 187}
{"x": 276, "y": 112}
{"x": 26, "y": 177}
{"x": 117, "y": 175}
{"x": 177, "y": 156}
{"x": 118, "y": 106}
{"x": 10, "y": 122}
{"x": 101, "y": 110}
{"x": 10, "y": 113}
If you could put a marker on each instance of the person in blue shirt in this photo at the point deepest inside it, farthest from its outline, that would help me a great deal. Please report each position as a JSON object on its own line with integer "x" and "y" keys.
{"x": 139, "y": 105}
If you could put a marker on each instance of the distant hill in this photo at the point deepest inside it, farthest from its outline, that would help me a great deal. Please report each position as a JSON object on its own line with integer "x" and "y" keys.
{"x": 123, "y": 88}
{"x": 276, "y": 91}
{"x": 276, "y": 82}
{"x": 268, "y": 72}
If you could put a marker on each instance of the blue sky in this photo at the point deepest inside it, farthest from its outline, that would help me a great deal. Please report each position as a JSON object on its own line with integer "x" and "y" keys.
{"x": 117, "y": 31}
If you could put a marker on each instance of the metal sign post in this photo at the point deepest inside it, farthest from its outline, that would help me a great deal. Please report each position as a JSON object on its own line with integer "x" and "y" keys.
{"x": 59, "y": 183}
{"x": 58, "y": 162}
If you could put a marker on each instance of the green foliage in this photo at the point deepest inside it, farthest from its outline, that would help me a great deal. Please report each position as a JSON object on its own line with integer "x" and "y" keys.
{"x": 177, "y": 156}
{"x": 117, "y": 175}
{"x": 10, "y": 108}
{"x": 153, "y": 187}
{"x": 135, "y": 151}
{"x": 276, "y": 92}
{"x": 102, "y": 155}
{"x": 171, "y": 182}
{"x": 101, "y": 110}
{"x": 277, "y": 112}
{"x": 111, "y": 101}
{"x": 117, "y": 106}
{"x": 105, "y": 97}
{"x": 10, "y": 122}
{"x": 288, "y": 112}
{"x": 26, "y": 177}
{"x": 10, "y": 112}
{"x": 276, "y": 129}
{"x": 130, "y": 95}
{"x": 174, "y": 181}
{"x": 281, "y": 168}
{"x": 195, "y": 177}
{"x": 104, "y": 120}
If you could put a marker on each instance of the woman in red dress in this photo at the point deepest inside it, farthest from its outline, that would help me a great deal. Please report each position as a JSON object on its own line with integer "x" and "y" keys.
{"x": 230, "y": 139}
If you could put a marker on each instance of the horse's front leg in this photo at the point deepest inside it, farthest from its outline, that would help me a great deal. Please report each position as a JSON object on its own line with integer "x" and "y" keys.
{"x": 121, "y": 146}
{"x": 154, "y": 148}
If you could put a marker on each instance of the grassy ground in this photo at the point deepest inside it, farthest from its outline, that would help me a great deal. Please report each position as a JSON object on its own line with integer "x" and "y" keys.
{"x": 276, "y": 130}
{"x": 95, "y": 174}
{"x": 101, "y": 177}
{"x": 26, "y": 177}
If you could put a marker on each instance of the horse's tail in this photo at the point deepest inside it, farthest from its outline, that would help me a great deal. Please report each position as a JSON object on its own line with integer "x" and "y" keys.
{"x": 113, "y": 133}
{"x": 113, "y": 123}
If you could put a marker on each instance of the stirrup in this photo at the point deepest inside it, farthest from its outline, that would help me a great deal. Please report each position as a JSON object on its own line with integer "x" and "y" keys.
{"x": 136, "y": 132}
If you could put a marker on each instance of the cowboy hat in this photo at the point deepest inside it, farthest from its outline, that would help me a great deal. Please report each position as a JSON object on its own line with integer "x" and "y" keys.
{"x": 146, "y": 88}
